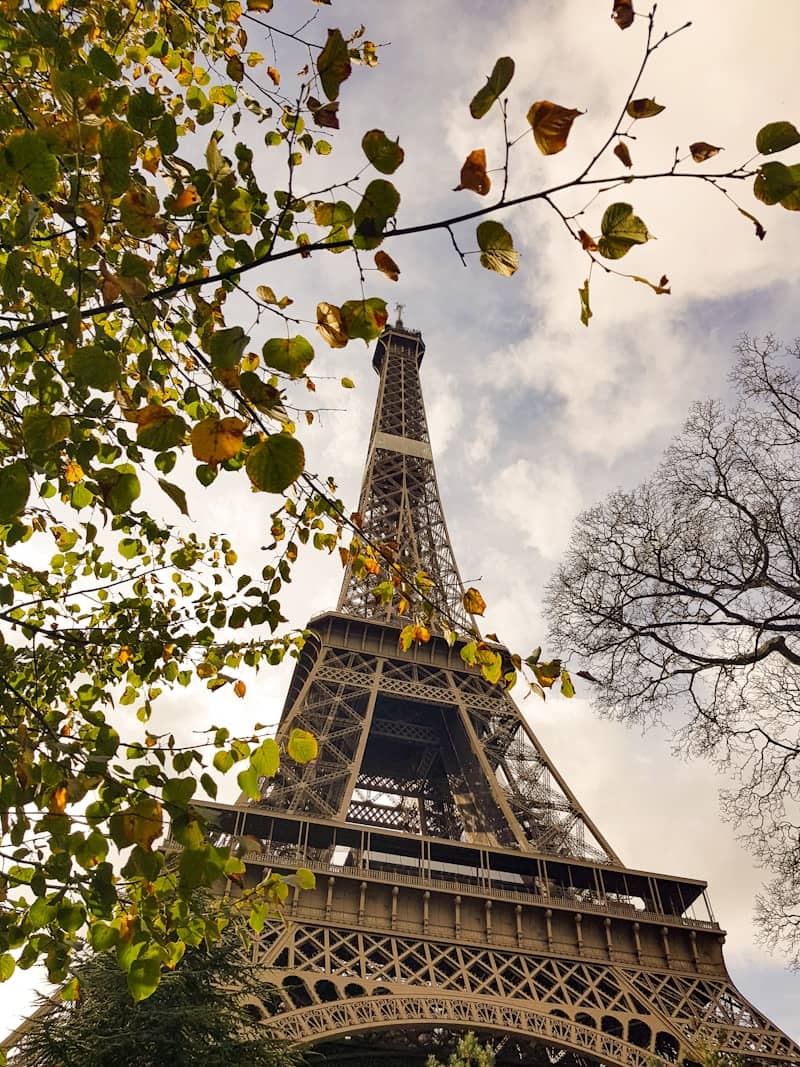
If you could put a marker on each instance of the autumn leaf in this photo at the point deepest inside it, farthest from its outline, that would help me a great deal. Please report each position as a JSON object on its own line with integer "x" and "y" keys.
{"x": 588, "y": 243}
{"x": 473, "y": 602}
{"x": 586, "y": 311}
{"x": 497, "y": 248}
{"x": 658, "y": 287}
{"x": 701, "y": 151}
{"x": 324, "y": 115}
{"x": 186, "y": 199}
{"x": 473, "y": 173}
{"x": 330, "y": 324}
{"x": 274, "y": 76}
{"x": 215, "y": 440}
{"x": 644, "y": 108}
{"x": 551, "y": 125}
{"x": 240, "y": 689}
{"x": 623, "y": 13}
{"x": 567, "y": 688}
{"x": 413, "y": 633}
{"x": 622, "y": 153}
{"x": 386, "y": 265}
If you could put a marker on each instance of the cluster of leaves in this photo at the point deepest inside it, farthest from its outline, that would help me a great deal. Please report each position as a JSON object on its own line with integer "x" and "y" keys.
{"x": 205, "y": 1012}
{"x": 468, "y": 1053}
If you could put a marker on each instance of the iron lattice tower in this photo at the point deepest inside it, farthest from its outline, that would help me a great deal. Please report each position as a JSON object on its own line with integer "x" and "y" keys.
{"x": 460, "y": 884}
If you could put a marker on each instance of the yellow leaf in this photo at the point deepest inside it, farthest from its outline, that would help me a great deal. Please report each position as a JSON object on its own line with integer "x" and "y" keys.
{"x": 567, "y": 688}
{"x": 259, "y": 5}
{"x": 330, "y": 325}
{"x": 73, "y": 472}
{"x": 150, "y": 415}
{"x": 215, "y": 440}
{"x": 206, "y": 669}
{"x": 143, "y": 823}
{"x": 240, "y": 689}
{"x": 474, "y": 602}
{"x": 123, "y": 655}
{"x": 58, "y": 800}
{"x": 302, "y": 746}
{"x": 473, "y": 173}
{"x": 551, "y": 124}
{"x": 93, "y": 219}
{"x": 386, "y": 265}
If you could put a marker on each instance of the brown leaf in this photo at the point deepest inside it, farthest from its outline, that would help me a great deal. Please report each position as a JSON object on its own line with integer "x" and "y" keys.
{"x": 761, "y": 233}
{"x": 274, "y": 75}
{"x": 659, "y": 289}
{"x": 473, "y": 173}
{"x": 623, "y": 13}
{"x": 588, "y": 243}
{"x": 587, "y": 676}
{"x": 622, "y": 154}
{"x": 551, "y": 124}
{"x": 324, "y": 115}
{"x": 701, "y": 151}
{"x": 644, "y": 108}
{"x": 330, "y": 325}
{"x": 386, "y": 265}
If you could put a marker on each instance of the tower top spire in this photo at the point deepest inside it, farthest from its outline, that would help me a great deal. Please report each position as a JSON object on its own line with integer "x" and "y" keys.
{"x": 399, "y": 504}
{"x": 399, "y": 308}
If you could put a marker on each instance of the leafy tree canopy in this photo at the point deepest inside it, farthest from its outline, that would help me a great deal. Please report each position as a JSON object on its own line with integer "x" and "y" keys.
{"x": 151, "y": 166}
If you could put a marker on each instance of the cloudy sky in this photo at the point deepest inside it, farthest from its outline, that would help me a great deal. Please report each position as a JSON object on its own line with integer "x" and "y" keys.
{"x": 534, "y": 417}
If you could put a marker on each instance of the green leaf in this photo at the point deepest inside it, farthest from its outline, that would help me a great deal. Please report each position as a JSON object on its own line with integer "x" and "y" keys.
{"x": 364, "y": 318}
{"x": 497, "y": 248}
{"x": 117, "y": 144}
{"x": 496, "y": 84}
{"x": 7, "y": 966}
{"x": 275, "y": 463}
{"x": 29, "y": 156}
{"x": 144, "y": 976}
{"x": 95, "y": 368}
{"x": 288, "y": 354}
{"x": 302, "y": 878}
{"x": 226, "y": 347}
{"x": 41, "y": 430}
{"x": 778, "y": 184}
{"x": 333, "y": 64}
{"x": 118, "y": 488}
{"x": 179, "y": 791}
{"x": 621, "y": 230}
{"x": 248, "y": 782}
{"x": 378, "y": 204}
{"x": 162, "y": 434}
{"x": 267, "y": 758}
{"x": 567, "y": 688}
{"x": 776, "y": 136}
{"x": 302, "y": 746}
{"x": 586, "y": 311}
{"x": 223, "y": 761}
{"x": 176, "y": 495}
{"x": 15, "y": 487}
{"x": 385, "y": 155}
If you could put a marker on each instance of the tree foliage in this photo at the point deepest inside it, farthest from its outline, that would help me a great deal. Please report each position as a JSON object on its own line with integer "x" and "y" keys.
{"x": 207, "y": 1012}
{"x": 151, "y": 185}
{"x": 469, "y": 1053}
{"x": 683, "y": 598}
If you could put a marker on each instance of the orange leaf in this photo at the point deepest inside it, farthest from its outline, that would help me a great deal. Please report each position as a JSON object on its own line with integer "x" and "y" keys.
{"x": 551, "y": 124}
{"x": 386, "y": 265}
{"x": 588, "y": 243}
{"x": 187, "y": 198}
{"x": 622, "y": 154}
{"x": 215, "y": 440}
{"x": 58, "y": 800}
{"x": 274, "y": 75}
{"x": 240, "y": 689}
{"x": 473, "y": 173}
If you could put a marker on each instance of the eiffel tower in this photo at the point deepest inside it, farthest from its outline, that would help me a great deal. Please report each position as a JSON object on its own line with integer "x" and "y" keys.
{"x": 459, "y": 882}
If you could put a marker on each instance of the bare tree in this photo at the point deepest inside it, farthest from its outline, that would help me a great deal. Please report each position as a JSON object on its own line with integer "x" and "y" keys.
{"x": 682, "y": 598}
